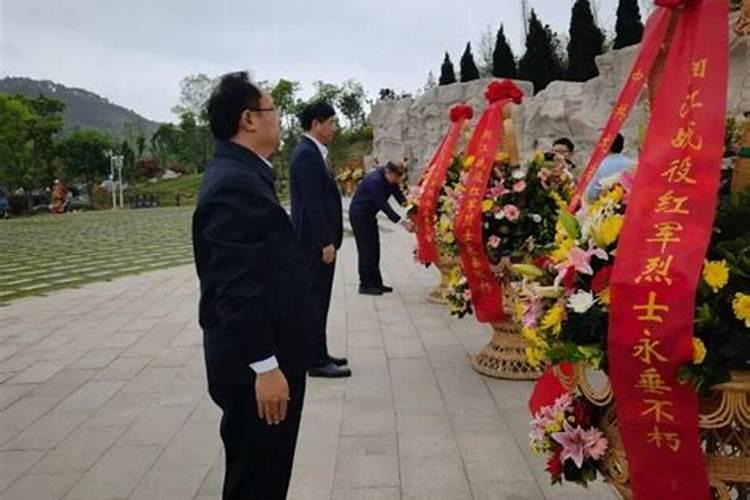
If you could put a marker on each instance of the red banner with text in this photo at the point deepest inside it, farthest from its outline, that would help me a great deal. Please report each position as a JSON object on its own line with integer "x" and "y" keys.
{"x": 486, "y": 290}
{"x": 659, "y": 258}
{"x": 432, "y": 182}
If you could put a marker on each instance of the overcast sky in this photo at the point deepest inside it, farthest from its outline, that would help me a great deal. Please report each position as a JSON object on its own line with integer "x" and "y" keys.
{"x": 135, "y": 52}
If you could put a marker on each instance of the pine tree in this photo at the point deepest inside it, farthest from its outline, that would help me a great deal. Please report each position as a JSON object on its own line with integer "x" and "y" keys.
{"x": 628, "y": 28}
{"x": 447, "y": 73}
{"x": 503, "y": 60}
{"x": 540, "y": 63}
{"x": 586, "y": 41}
{"x": 469, "y": 70}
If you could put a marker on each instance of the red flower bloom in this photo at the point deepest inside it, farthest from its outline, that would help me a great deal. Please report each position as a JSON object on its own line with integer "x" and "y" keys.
{"x": 570, "y": 277}
{"x": 460, "y": 112}
{"x": 581, "y": 413}
{"x": 497, "y": 91}
{"x": 555, "y": 465}
{"x": 601, "y": 279}
{"x": 542, "y": 262}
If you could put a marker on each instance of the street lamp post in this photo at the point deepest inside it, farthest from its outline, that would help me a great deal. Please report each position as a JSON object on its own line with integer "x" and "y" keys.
{"x": 112, "y": 178}
{"x": 119, "y": 164}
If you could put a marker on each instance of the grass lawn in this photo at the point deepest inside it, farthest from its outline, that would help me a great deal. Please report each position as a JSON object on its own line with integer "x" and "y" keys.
{"x": 186, "y": 186}
{"x": 45, "y": 253}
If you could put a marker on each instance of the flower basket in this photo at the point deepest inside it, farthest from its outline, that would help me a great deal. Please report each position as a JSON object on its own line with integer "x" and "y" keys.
{"x": 504, "y": 356}
{"x": 445, "y": 264}
{"x": 724, "y": 422}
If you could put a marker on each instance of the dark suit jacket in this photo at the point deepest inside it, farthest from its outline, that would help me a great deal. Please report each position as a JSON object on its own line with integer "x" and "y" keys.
{"x": 316, "y": 201}
{"x": 372, "y": 196}
{"x": 251, "y": 271}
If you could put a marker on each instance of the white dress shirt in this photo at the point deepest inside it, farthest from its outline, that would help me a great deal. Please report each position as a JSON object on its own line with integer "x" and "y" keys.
{"x": 321, "y": 147}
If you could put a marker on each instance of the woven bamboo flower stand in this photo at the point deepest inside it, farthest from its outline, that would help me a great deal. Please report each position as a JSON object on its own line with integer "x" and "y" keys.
{"x": 439, "y": 294}
{"x": 724, "y": 423}
{"x": 505, "y": 355}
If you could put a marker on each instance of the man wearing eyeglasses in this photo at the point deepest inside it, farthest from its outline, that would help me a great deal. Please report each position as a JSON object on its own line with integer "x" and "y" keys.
{"x": 317, "y": 218}
{"x": 252, "y": 310}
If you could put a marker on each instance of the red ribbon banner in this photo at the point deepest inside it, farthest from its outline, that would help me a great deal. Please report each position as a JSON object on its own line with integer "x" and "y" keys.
{"x": 661, "y": 250}
{"x": 653, "y": 35}
{"x": 486, "y": 291}
{"x": 432, "y": 182}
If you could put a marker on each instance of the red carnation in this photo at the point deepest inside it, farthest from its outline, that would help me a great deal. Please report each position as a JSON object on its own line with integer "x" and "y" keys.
{"x": 542, "y": 261}
{"x": 569, "y": 280}
{"x": 497, "y": 91}
{"x": 601, "y": 279}
{"x": 555, "y": 465}
{"x": 460, "y": 112}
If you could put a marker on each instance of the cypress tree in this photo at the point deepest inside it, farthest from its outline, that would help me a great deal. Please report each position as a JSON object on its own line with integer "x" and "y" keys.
{"x": 447, "y": 73}
{"x": 503, "y": 60}
{"x": 628, "y": 28}
{"x": 540, "y": 63}
{"x": 586, "y": 41}
{"x": 469, "y": 70}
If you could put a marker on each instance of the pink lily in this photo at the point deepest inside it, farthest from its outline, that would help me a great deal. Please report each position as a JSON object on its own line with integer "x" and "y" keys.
{"x": 573, "y": 441}
{"x": 580, "y": 261}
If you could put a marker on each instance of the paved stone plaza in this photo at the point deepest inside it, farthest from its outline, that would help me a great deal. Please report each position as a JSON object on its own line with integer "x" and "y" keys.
{"x": 103, "y": 396}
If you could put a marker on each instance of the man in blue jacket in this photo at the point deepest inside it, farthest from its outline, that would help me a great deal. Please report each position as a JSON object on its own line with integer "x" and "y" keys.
{"x": 253, "y": 311}
{"x": 317, "y": 219}
{"x": 370, "y": 198}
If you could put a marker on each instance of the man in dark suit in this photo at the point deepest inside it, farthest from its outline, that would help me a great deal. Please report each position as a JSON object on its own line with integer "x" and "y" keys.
{"x": 317, "y": 219}
{"x": 370, "y": 198}
{"x": 252, "y": 306}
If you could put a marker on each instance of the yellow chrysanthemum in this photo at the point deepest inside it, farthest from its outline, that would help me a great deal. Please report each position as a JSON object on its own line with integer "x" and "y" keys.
{"x": 518, "y": 310}
{"x": 449, "y": 238}
{"x": 487, "y": 205}
{"x": 741, "y": 307}
{"x": 699, "y": 351}
{"x": 535, "y": 357}
{"x": 502, "y": 157}
{"x": 561, "y": 203}
{"x": 469, "y": 161}
{"x": 531, "y": 335}
{"x": 604, "y": 296}
{"x": 716, "y": 274}
{"x": 608, "y": 231}
{"x": 553, "y": 319}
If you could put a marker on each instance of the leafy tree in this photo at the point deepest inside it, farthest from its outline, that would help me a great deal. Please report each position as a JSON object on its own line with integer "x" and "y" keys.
{"x": 194, "y": 93}
{"x": 486, "y": 48}
{"x": 540, "y": 63}
{"x": 284, "y": 94}
{"x": 628, "y": 27}
{"x": 141, "y": 145}
{"x": 469, "y": 70}
{"x": 431, "y": 82}
{"x": 351, "y": 102}
{"x": 16, "y": 145}
{"x": 503, "y": 60}
{"x": 326, "y": 92}
{"x": 84, "y": 156}
{"x": 387, "y": 95}
{"x": 586, "y": 41}
{"x": 447, "y": 73}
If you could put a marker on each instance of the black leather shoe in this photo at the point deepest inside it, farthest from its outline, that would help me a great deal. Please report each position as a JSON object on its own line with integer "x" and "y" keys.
{"x": 330, "y": 371}
{"x": 386, "y": 289}
{"x": 338, "y": 361}
{"x": 370, "y": 290}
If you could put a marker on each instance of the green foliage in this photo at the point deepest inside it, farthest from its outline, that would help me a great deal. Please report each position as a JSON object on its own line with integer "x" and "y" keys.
{"x": 351, "y": 102}
{"x": 447, "y": 73}
{"x": 27, "y": 150}
{"x": 503, "y": 60}
{"x": 586, "y": 42}
{"x": 194, "y": 93}
{"x": 540, "y": 63}
{"x": 469, "y": 70}
{"x": 84, "y": 156}
{"x": 167, "y": 191}
{"x": 628, "y": 28}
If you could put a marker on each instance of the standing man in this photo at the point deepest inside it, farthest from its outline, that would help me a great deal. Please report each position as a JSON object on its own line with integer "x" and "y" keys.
{"x": 252, "y": 309}
{"x": 370, "y": 198}
{"x": 317, "y": 219}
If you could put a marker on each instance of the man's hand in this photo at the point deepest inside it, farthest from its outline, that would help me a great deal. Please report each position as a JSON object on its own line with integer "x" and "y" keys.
{"x": 329, "y": 254}
{"x": 272, "y": 394}
{"x": 408, "y": 225}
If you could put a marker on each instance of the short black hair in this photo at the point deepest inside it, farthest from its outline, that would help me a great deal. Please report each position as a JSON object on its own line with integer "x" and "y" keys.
{"x": 320, "y": 111}
{"x": 395, "y": 168}
{"x": 232, "y": 96}
{"x": 564, "y": 141}
{"x": 618, "y": 144}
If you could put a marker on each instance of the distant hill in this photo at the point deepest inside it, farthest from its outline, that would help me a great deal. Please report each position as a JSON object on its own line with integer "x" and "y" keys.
{"x": 83, "y": 109}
